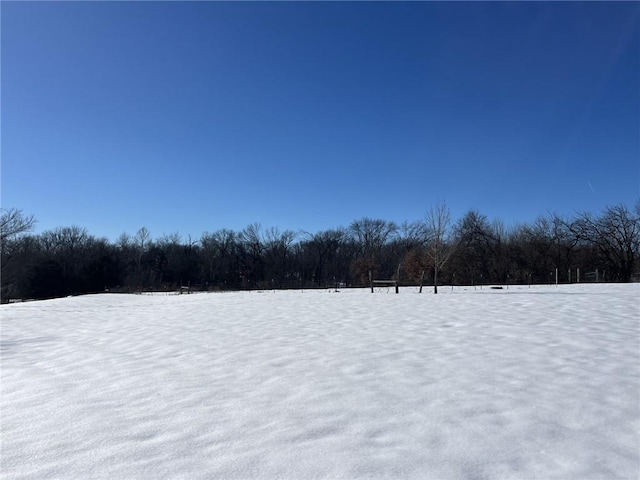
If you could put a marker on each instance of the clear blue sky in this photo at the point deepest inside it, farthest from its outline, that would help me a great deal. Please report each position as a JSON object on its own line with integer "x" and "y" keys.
{"x": 197, "y": 116}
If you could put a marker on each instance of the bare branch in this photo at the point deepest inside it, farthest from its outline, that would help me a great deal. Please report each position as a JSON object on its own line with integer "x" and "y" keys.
{"x": 13, "y": 222}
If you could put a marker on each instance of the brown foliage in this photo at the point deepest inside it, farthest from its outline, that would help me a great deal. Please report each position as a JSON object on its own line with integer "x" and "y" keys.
{"x": 415, "y": 262}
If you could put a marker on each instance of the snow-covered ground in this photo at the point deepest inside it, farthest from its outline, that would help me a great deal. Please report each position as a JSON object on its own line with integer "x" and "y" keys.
{"x": 536, "y": 383}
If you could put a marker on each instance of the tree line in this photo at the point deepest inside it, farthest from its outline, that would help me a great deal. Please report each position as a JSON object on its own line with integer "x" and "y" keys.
{"x": 435, "y": 250}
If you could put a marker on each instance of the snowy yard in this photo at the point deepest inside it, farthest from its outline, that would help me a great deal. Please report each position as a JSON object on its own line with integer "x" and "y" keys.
{"x": 539, "y": 383}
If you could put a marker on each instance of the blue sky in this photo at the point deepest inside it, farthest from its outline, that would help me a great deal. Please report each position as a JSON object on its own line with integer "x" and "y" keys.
{"x": 197, "y": 116}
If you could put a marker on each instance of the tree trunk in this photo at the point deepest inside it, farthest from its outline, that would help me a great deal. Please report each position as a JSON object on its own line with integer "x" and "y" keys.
{"x": 435, "y": 280}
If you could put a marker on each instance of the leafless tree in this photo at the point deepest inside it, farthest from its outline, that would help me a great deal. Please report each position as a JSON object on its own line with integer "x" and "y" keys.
{"x": 252, "y": 248}
{"x": 220, "y": 252}
{"x": 615, "y": 235}
{"x": 413, "y": 235}
{"x": 442, "y": 243}
{"x": 474, "y": 233}
{"x": 13, "y": 222}
{"x": 324, "y": 249}
{"x": 370, "y": 236}
{"x": 277, "y": 249}
{"x": 547, "y": 243}
{"x": 142, "y": 239}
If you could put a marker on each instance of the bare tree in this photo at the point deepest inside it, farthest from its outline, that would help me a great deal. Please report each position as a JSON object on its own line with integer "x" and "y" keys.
{"x": 13, "y": 257}
{"x": 124, "y": 240}
{"x": 13, "y": 222}
{"x": 547, "y": 243}
{"x": 442, "y": 243}
{"x": 220, "y": 252}
{"x": 324, "y": 249}
{"x": 474, "y": 232}
{"x": 252, "y": 248}
{"x": 413, "y": 235}
{"x": 615, "y": 235}
{"x": 370, "y": 236}
{"x": 277, "y": 250}
{"x": 142, "y": 239}
{"x": 141, "y": 243}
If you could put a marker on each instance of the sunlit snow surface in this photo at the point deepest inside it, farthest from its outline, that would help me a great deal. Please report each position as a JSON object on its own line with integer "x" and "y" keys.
{"x": 536, "y": 383}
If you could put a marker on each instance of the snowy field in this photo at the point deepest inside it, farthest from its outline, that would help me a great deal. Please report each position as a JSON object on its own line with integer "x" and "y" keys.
{"x": 539, "y": 383}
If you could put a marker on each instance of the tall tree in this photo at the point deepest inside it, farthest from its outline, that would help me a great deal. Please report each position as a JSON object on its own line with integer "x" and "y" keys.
{"x": 615, "y": 235}
{"x": 251, "y": 246}
{"x": 474, "y": 233}
{"x": 323, "y": 251}
{"x": 370, "y": 236}
{"x": 277, "y": 251}
{"x": 442, "y": 243}
{"x": 220, "y": 252}
{"x": 13, "y": 222}
{"x": 14, "y": 254}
